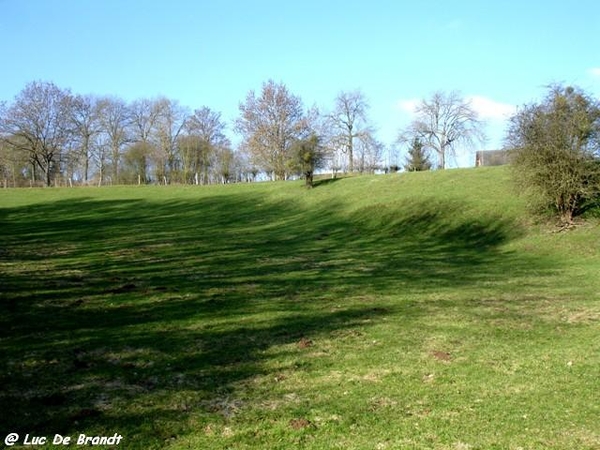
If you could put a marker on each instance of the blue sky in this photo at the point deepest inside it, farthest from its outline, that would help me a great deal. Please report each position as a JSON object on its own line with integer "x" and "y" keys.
{"x": 498, "y": 54}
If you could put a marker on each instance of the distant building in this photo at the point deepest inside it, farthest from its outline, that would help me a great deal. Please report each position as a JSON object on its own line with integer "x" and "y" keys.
{"x": 491, "y": 158}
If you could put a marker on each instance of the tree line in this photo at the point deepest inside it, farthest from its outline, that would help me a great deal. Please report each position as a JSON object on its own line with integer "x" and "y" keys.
{"x": 51, "y": 136}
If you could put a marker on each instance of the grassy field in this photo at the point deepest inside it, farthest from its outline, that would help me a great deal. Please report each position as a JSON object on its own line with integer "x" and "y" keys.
{"x": 415, "y": 311}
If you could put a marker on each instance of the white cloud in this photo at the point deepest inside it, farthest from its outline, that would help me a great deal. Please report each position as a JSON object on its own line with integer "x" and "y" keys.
{"x": 594, "y": 71}
{"x": 486, "y": 107}
{"x": 490, "y": 109}
{"x": 409, "y": 105}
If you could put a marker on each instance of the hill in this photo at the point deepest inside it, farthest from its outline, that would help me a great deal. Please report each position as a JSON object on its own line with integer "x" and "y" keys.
{"x": 419, "y": 310}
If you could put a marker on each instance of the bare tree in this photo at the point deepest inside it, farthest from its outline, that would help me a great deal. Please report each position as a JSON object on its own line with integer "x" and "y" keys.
{"x": 370, "y": 153}
{"x": 444, "y": 122}
{"x": 208, "y": 126}
{"x": 145, "y": 118}
{"x": 270, "y": 124}
{"x": 144, "y": 115}
{"x": 206, "y": 141}
{"x": 349, "y": 122}
{"x": 100, "y": 156}
{"x": 86, "y": 125}
{"x": 171, "y": 121}
{"x": 38, "y": 124}
{"x": 115, "y": 119}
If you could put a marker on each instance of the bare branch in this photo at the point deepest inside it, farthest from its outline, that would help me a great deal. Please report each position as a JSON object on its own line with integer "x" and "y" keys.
{"x": 349, "y": 121}
{"x": 270, "y": 124}
{"x": 443, "y": 123}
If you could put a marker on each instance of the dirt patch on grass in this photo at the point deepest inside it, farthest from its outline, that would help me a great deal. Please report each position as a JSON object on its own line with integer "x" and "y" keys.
{"x": 441, "y": 356}
{"x": 299, "y": 424}
{"x": 305, "y": 343}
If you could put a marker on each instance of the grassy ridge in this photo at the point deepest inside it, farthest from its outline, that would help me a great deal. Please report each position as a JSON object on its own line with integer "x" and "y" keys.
{"x": 402, "y": 311}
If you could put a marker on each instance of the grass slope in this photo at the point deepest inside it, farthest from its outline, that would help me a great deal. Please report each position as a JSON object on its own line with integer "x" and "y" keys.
{"x": 402, "y": 311}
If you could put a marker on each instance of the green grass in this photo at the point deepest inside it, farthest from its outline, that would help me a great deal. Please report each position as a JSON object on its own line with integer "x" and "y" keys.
{"x": 420, "y": 310}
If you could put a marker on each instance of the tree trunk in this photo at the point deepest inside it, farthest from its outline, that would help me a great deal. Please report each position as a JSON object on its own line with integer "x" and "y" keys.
{"x": 86, "y": 162}
{"x": 350, "y": 154}
{"x": 442, "y": 158}
{"x": 48, "y": 176}
{"x": 86, "y": 168}
{"x": 309, "y": 180}
{"x": 115, "y": 168}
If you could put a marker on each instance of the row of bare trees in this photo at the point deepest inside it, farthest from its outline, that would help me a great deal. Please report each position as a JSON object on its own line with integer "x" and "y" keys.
{"x": 49, "y": 135}
{"x": 272, "y": 122}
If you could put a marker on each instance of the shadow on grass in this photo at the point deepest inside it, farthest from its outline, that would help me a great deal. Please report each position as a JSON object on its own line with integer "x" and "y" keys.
{"x": 111, "y": 309}
{"x": 325, "y": 181}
